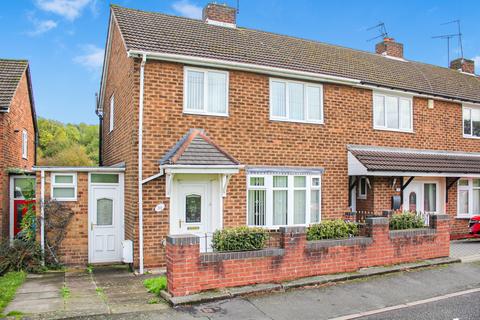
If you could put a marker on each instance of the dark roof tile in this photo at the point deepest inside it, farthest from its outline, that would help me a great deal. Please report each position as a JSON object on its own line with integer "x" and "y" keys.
{"x": 11, "y": 72}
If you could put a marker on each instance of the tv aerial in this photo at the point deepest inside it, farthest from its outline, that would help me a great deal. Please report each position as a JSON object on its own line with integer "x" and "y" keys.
{"x": 450, "y": 36}
{"x": 382, "y": 30}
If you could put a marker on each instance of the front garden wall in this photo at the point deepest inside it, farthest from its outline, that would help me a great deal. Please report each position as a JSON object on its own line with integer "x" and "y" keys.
{"x": 189, "y": 271}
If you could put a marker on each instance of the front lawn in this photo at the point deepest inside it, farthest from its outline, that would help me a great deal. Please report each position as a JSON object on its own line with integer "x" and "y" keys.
{"x": 9, "y": 284}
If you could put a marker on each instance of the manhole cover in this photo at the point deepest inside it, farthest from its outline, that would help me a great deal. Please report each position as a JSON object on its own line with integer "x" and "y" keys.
{"x": 210, "y": 309}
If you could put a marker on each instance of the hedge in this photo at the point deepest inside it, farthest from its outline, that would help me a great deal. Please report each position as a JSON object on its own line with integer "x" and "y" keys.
{"x": 332, "y": 229}
{"x": 406, "y": 220}
{"x": 239, "y": 239}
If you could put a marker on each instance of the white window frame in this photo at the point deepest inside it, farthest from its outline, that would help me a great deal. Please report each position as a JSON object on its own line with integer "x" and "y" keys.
{"x": 205, "y": 92}
{"x": 64, "y": 185}
{"x": 24, "y": 144}
{"x": 305, "y": 102}
{"x": 470, "y": 189}
{"x": 398, "y": 97}
{"x": 361, "y": 195}
{"x": 112, "y": 112}
{"x": 268, "y": 187}
{"x": 470, "y": 107}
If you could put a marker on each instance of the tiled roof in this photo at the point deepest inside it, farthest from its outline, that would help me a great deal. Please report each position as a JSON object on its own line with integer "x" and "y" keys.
{"x": 195, "y": 148}
{"x": 416, "y": 160}
{"x": 11, "y": 72}
{"x": 160, "y": 33}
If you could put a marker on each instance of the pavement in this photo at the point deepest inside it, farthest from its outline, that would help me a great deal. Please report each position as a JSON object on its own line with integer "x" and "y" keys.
{"x": 56, "y": 295}
{"x": 467, "y": 250}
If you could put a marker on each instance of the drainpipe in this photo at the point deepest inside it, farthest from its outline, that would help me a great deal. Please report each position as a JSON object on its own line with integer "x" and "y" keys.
{"x": 140, "y": 165}
{"x": 42, "y": 214}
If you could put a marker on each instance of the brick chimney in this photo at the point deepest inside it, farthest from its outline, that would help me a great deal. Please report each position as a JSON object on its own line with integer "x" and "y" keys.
{"x": 220, "y": 14}
{"x": 464, "y": 65}
{"x": 389, "y": 47}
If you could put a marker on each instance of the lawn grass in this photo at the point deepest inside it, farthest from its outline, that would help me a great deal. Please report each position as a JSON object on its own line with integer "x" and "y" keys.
{"x": 9, "y": 284}
{"x": 155, "y": 285}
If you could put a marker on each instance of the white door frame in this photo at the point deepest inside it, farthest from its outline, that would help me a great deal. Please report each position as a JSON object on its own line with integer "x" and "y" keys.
{"x": 214, "y": 216}
{"x": 12, "y": 199}
{"x": 419, "y": 183}
{"x": 121, "y": 213}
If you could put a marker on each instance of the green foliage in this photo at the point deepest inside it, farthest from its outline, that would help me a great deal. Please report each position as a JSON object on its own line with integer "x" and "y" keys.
{"x": 28, "y": 223}
{"x": 89, "y": 268}
{"x": 155, "y": 285}
{"x": 65, "y": 292}
{"x": 67, "y": 144}
{"x": 20, "y": 255}
{"x": 332, "y": 229}
{"x": 406, "y": 220}
{"x": 9, "y": 284}
{"x": 239, "y": 239}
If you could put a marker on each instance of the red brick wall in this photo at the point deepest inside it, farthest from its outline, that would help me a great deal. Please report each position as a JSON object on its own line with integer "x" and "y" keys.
{"x": 18, "y": 118}
{"x": 74, "y": 248}
{"x": 249, "y": 135}
{"x": 188, "y": 273}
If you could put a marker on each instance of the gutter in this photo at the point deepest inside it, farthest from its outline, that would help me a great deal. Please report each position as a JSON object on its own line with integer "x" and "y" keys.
{"x": 140, "y": 164}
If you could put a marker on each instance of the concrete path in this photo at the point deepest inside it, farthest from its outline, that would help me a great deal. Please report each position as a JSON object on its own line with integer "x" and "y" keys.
{"x": 79, "y": 293}
{"x": 467, "y": 250}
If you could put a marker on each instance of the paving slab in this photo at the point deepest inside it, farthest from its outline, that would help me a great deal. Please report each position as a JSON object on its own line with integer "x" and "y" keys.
{"x": 35, "y": 306}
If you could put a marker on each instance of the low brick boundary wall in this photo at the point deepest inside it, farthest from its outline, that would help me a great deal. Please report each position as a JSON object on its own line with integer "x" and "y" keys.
{"x": 189, "y": 271}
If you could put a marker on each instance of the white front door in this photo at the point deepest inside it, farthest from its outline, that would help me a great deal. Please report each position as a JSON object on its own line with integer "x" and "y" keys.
{"x": 196, "y": 207}
{"x": 422, "y": 196}
{"x": 105, "y": 214}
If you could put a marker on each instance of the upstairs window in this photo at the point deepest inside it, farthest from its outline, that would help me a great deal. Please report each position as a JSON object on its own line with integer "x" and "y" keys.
{"x": 392, "y": 112}
{"x": 205, "y": 92}
{"x": 24, "y": 144}
{"x": 112, "y": 112}
{"x": 296, "y": 101}
{"x": 471, "y": 122}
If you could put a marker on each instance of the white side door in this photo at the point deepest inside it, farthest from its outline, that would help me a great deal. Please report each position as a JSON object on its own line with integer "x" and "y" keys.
{"x": 105, "y": 219}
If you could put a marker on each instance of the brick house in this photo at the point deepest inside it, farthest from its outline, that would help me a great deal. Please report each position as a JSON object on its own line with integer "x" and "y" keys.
{"x": 220, "y": 126}
{"x": 18, "y": 139}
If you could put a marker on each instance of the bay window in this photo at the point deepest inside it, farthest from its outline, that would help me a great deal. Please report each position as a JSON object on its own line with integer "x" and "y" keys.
{"x": 296, "y": 101}
{"x": 468, "y": 197}
{"x": 281, "y": 200}
{"x": 471, "y": 122}
{"x": 205, "y": 92}
{"x": 392, "y": 112}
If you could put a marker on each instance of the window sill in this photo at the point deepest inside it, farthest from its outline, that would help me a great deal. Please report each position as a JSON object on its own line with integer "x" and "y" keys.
{"x": 470, "y": 137}
{"x": 64, "y": 200}
{"x": 224, "y": 115}
{"x": 464, "y": 216}
{"x": 298, "y": 121}
{"x": 276, "y": 228}
{"x": 362, "y": 198}
{"x": 394, "y": 130}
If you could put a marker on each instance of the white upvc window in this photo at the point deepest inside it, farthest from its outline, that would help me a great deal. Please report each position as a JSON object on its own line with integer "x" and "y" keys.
{"x": 283, "y": 200}
{"x": 112, "y": 112}
{"x": 362, "y": 188}
{"x": 205, "y": 92}
{"x": 64, "y": 186}
{"x": 24, "y": 144}
{"x": 471, "y": 121}
{"x": 392, "y": 112}
{"x": 468, "y": 190}
{"x": 296, "y": 101}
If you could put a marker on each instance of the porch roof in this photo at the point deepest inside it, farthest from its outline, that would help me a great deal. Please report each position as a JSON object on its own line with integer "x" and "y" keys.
{"x": 195, "y": 148}
{"x": 373, "y": 160}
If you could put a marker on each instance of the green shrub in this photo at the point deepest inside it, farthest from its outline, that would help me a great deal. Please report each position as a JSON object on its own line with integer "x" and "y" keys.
{"x": 239, "y": 239}
{"x": 332, "y": 229}
{"x": 406, "y": 220}
{"x": 155, "y": 285}
{"x": 20, "y": 255}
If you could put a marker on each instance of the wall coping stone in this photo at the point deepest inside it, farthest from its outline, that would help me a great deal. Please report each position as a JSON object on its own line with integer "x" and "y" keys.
{"x": 238, "y": 255}
{"x": 439, "y": 217}
{"x": 183, "y": 239}
{"x": 327, "y": 243}
{"x": 377, "y": 220}
{"x": 412, "y": 232}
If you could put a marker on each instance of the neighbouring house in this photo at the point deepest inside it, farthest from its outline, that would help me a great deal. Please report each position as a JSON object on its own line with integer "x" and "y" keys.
{"x": 212, "y": 126}
{"x": 18, "y": 140}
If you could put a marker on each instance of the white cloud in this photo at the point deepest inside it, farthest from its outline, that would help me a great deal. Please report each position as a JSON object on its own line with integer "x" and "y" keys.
{"x": 187, "y": 9}
{"x": 42, "y": 26}
{"x": 477, "y": 64}
{"x": 92, "y": 59}
{"x": 69, "y": 9}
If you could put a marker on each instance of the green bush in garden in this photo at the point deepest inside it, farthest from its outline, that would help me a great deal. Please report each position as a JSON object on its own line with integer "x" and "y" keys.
{"x": 406, "y": 220}
{"x": 239, "y": 239}
{"x": 332, "y": 229}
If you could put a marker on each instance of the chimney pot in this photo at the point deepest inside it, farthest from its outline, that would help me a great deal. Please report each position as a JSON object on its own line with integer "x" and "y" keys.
{"x": 464, "y": 65}
{"x": 220, "y": 14}
{"x": 389, "y": 47}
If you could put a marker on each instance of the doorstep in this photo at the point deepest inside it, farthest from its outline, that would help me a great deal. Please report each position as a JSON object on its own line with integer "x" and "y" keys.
{"x": 227, "y": 293}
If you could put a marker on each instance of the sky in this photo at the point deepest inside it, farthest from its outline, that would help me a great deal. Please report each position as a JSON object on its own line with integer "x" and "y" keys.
{"x": 64, "y": 40}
